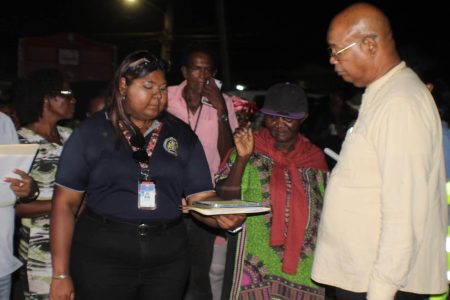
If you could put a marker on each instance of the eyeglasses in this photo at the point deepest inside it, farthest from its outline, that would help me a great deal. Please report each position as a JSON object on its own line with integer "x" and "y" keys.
{"x": 66, "y": 94}
{"x": 141, "y": 154}
{"x": 335, "y": 54}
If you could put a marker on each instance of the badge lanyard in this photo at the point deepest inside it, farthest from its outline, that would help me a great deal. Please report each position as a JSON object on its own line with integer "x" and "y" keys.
{"x": 146, "y": 186}
{"x": 198, "y": 117}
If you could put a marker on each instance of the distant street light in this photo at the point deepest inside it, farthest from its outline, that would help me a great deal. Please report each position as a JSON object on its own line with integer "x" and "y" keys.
{"x": 166, "y": 36}
{"x": 240, "y": 87}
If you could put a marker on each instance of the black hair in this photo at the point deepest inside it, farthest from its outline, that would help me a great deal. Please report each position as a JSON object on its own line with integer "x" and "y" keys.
{"x": 135, "y": 65}
{"x": 197, "y": 47}
{"x": 32, "y": 91}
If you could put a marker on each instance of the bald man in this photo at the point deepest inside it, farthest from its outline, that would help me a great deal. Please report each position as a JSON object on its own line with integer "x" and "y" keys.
{"x": 384, "y": 221}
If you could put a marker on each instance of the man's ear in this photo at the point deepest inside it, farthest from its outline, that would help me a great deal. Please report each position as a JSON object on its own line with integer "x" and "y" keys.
{"x": 371, "y": 44}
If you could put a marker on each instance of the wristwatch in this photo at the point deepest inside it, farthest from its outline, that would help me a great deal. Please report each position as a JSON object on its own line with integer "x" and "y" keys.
{"x": 236, "y": 230}
{"x": 224, "y": 117}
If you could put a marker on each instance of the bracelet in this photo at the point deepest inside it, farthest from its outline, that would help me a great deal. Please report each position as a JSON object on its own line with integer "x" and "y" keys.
{"x": 236, "y": 230}
{"x": 61, "y": 276}
{"x": 35, "y": 195}
{"x": 29, "y": 199}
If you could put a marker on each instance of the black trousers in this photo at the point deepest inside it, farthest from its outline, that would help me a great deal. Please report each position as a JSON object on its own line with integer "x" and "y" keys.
{"x": 114, "y": 261}
{"x": 347, "y": 295}
{"x": 201, "y": 246}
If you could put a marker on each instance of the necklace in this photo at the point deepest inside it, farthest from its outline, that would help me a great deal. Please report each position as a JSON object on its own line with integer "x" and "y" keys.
{"x": 198, "y": 117}
{"x": 189, "y": 116}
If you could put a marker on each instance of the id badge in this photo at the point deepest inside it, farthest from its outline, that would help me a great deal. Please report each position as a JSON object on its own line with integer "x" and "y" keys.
{"x": 147, "y": 195}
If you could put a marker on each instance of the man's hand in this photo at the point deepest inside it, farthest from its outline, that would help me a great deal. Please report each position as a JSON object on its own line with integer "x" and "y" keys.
{"x": 212, "y": 92}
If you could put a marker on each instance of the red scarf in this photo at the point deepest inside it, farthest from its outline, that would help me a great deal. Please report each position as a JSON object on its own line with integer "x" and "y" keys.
{"x": 304, "y": 155}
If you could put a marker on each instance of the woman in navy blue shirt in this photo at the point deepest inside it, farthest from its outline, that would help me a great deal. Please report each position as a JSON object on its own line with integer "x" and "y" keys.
{"x": 134, "y": 162}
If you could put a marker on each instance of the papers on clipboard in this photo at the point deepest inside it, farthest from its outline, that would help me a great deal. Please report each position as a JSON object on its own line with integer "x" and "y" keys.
{"x": 226, "y": 207}
{"x": 225, "y": 204}
{"x": 14, "y": 156}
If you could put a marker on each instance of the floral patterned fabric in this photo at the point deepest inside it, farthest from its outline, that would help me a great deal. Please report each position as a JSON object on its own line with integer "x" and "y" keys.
{"x": 257, "y": 266}
{"x": 34, "y": 245}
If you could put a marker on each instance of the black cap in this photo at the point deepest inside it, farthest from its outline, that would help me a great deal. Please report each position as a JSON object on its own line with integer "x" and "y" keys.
{"x": 286, "y": 100}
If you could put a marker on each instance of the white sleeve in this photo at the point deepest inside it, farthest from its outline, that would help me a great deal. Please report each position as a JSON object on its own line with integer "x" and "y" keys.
{"x": 8, "y": 134}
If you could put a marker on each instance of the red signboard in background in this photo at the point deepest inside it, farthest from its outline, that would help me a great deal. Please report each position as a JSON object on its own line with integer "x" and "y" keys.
{"x": 80, "y": 58}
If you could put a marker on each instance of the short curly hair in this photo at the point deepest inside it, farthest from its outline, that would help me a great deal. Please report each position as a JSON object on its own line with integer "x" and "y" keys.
{"x": 32, "y": 91}
{"x": 197, "y": 47}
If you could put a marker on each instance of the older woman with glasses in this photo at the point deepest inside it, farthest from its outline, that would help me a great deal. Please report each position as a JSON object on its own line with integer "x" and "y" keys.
{"x": 135, "y": 162}
{"x": 43, "y": 99}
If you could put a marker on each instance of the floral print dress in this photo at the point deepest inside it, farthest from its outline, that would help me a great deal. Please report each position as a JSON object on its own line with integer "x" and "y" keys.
{"x": 34, "y": 244}
{"x": 257, "y": 271}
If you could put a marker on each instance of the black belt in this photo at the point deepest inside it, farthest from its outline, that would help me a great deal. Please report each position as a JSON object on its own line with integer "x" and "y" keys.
{"x": 143, "y": 227}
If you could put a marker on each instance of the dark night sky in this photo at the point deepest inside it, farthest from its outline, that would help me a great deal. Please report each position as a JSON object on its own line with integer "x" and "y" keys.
{"x": 268, "y": 40}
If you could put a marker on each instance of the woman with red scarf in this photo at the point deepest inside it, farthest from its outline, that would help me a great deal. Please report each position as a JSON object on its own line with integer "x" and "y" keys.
{"x": 279, "y": 167}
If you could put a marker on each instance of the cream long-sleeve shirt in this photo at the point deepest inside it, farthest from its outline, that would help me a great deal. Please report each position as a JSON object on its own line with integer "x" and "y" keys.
{"x": 384, "y": 221}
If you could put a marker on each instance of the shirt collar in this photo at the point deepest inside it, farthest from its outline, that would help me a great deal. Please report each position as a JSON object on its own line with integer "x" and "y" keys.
{"x": 373, "y": 88}
{"x": 383, "y": 79}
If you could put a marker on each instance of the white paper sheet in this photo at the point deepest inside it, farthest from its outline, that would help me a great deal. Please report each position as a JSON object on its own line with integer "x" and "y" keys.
{"x": 228, "y": 210}
{"x": 14, "y": 156}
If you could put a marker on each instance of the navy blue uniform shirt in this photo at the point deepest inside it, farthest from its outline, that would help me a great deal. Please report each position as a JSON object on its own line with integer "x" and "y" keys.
{"x": 92, "y": 162}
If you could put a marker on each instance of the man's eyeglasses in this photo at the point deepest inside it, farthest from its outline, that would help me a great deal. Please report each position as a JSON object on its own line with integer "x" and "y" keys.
{"x": 141, "y": 154}
{"x": 336, "y": 53}
{"x": 66, "y": 94}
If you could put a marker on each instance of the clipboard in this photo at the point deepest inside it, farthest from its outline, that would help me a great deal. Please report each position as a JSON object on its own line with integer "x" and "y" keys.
{"x": 227, "y": 210}
{"x": 14, "y": 156}
{"x": 225, "y": 204}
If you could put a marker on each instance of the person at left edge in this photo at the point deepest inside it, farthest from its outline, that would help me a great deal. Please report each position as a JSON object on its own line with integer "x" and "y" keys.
{"x": 116, "y": 250}
{"x": 23, "y": 189}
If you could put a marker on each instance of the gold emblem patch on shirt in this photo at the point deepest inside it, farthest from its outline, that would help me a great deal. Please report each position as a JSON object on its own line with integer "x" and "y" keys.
{"x": 171, "y": 146}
